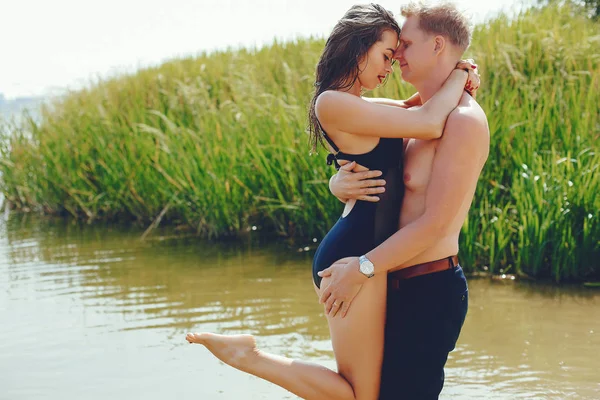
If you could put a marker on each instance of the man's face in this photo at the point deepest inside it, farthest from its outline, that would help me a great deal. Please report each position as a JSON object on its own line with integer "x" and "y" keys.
{"x": 415, "y": 55}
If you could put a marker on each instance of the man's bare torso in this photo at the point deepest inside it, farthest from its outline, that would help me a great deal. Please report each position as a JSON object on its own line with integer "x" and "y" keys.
{"x": 418, "y": 163}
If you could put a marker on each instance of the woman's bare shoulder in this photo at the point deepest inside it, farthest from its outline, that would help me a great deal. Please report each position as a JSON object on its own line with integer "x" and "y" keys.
{"x": 332, "y": 105}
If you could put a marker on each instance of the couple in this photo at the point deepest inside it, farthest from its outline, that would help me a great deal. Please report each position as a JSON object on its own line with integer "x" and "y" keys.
{"x": 379, "y": 283}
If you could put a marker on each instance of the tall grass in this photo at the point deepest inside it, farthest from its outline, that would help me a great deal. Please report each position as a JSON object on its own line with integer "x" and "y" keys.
{"x": 217, "y": 143}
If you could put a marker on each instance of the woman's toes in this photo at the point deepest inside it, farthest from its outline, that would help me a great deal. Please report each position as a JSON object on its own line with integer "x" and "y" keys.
{"x": 192, "y": 338}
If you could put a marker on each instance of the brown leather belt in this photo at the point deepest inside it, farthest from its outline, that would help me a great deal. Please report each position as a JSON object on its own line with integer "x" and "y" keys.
{"x": 430, "y": 267}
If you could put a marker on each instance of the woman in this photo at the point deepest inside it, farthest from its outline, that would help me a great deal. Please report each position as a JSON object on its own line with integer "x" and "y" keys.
{"x": 358, "y": 55}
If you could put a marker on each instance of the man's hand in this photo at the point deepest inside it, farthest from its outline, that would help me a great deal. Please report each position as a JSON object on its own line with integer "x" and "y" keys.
{"x": 346, "y": 282}
{"x": 348, "y": 184}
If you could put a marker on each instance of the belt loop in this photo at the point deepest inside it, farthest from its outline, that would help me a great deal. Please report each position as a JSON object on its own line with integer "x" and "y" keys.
{"x": 451, "y": 262}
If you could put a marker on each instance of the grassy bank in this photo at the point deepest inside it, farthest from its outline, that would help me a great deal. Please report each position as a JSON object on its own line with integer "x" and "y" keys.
{"x": 217, "y": 144}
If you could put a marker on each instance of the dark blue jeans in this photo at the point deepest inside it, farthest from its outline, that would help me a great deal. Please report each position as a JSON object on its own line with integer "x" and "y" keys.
{"x": 424, "y": 318}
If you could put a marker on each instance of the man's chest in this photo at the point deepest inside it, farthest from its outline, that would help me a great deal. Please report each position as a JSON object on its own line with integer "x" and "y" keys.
{"x": 418, "y": 163}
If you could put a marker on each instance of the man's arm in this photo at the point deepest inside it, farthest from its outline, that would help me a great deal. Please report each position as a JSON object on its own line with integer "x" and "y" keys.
{"x": 332, "y": 188}
{"x": 354, "y": 181}
{"x": 459, "y": 159}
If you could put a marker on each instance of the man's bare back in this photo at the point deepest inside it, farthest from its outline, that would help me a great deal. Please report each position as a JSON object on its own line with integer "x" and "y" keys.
{"x": 418, "y": 167}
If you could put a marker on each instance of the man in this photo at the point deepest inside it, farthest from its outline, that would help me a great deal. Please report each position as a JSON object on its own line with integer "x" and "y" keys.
{"x": 427, "y": 293}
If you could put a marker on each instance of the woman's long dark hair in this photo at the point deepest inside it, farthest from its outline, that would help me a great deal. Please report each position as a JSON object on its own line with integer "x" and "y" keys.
{"x": 352, "y": 37}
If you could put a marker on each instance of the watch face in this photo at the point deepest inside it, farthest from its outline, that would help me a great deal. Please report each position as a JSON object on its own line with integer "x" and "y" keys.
{"x": 366, "y": 267}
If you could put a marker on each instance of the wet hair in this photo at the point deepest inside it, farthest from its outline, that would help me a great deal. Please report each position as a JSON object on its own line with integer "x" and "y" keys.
{"x": 442, "y": 19}
{"x": 338, "y": 68}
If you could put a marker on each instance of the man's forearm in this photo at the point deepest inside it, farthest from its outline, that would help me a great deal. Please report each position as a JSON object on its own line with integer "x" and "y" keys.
{"x": 404, "y": 245}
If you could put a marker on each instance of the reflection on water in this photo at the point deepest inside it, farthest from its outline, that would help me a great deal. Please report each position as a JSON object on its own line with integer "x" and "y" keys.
{"x": 90, "y": 312}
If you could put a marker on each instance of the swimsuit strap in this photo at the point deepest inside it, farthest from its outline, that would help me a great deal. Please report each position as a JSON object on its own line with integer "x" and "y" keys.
{"x": 328, "y": 139}
{"x": 333, "y": 145}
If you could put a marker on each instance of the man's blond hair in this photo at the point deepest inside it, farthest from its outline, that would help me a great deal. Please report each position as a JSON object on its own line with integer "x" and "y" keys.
{"x": 441, "y": 19}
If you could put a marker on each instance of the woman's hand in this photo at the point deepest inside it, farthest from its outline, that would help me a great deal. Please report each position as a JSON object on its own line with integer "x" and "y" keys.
{"x": 473, "y": 81}
{"x": 348, "y": 184}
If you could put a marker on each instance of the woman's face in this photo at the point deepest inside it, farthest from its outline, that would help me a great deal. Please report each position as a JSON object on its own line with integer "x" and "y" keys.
{"x": 377, "y": 63}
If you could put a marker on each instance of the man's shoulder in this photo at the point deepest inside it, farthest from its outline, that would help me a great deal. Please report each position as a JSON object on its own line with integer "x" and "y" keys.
{"x": 468, "y": 117}
{"x": 467, "y": 125}
{"x": 468, "y": 112}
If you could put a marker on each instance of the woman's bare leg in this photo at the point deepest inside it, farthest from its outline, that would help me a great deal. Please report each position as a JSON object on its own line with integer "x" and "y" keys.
{"x": 307, "y": 380}
{"x": 359, "y": 337}
{"x": 357, "y": 343}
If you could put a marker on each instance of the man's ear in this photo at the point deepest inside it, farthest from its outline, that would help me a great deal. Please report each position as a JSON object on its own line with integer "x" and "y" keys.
{"x": 439, "y": 44}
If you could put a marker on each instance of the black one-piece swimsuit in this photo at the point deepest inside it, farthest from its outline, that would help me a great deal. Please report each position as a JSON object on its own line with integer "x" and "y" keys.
{"x": 368, "y": 224}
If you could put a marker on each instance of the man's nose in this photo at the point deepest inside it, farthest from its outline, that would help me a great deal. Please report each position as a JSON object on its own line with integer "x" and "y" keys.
{"x": 397, "y": 55}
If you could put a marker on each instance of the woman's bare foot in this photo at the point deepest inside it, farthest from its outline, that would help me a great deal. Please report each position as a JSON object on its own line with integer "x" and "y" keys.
{"x": 239, "y": 351}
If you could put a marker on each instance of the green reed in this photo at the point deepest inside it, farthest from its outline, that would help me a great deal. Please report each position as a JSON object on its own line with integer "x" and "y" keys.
{"x": 217, "y": 143}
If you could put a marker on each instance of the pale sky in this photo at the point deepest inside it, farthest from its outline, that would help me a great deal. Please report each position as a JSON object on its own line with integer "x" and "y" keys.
{"x": 48, "y": 45}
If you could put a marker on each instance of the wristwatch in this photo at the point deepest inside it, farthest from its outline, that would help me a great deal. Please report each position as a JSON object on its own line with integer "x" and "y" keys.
{"x": 366, "y": 267}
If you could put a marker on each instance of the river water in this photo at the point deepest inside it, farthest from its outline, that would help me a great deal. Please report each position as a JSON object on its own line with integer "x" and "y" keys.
{"x": 93, "y": 312}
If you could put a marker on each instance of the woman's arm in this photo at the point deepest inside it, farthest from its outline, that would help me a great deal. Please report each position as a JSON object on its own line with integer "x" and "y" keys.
{"x": 351, "y": 114}
{"x": 412, "y": 101}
